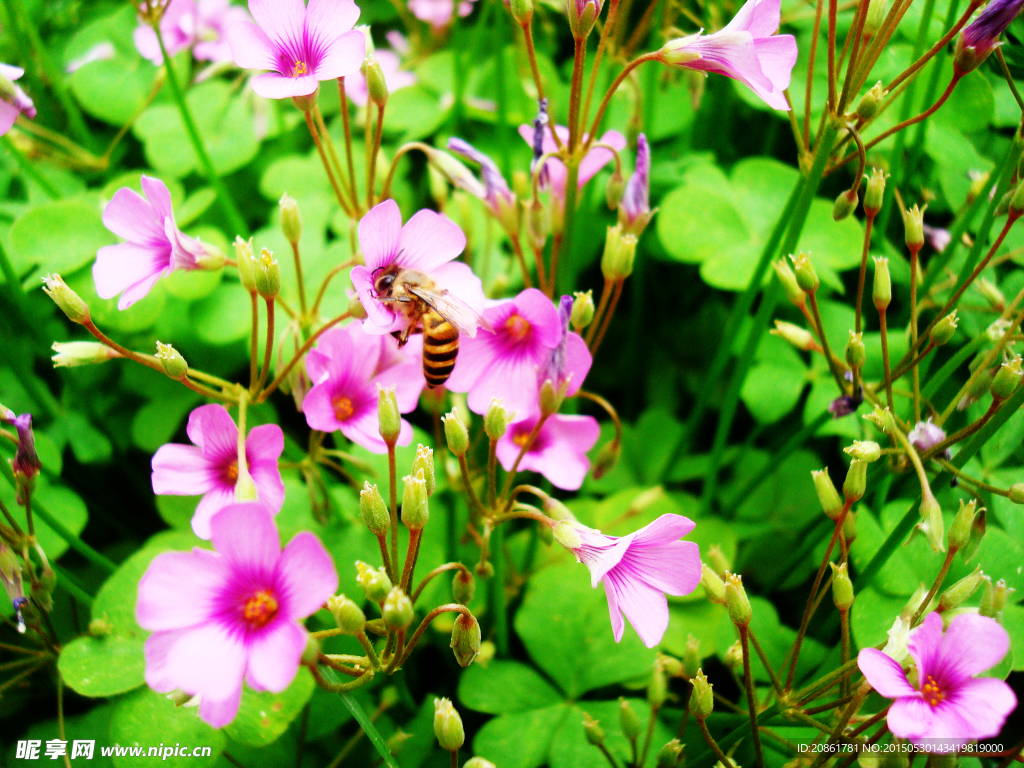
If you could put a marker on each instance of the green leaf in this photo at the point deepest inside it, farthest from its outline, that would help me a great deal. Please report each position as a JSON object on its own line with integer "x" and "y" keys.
{"x": 263, "y": 717}
{"x": 103, "y": 666}
{"x": 564, "y": 624}
{"x": 696, "y": 223}
{"x": 521, "y": 739}
{"x": 872, "y": 615}
{"x": 896, "y": 577}
{"x": 223, "y": 317}
{"x": 570, "y": 748}
{"x": 770, "y": 391}
{"x": 59, "y": 501}
{"x": 147, "y": 719}
{"x": 505, "y": 686}
{"x": 89, "y": 445}
{"x": 1004, "y": 442}
{"x": 59, "y": 236}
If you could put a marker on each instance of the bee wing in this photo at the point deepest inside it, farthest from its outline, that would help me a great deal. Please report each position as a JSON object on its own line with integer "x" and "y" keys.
{"x": 454, "y": 310}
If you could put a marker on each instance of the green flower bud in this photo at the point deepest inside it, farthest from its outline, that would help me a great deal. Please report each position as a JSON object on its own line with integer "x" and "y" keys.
{"x": 376, "y": 85}
{"x": 101, "y": 626}
{"x": 311, "y": 653}
{"x": 463, "y": 587}
{"x": 733, "y": 657}
{"x": 565, "y": 533}
{"x": 613, "y": 192}
{"x": 484, "y": 569}
{"x": 607, "y": 458}
{"x": 931, "y": 522}
{"x": 1003, "y": 207}
{"x": 875, "y": 192}
{"x": 869, "y": 103}
{"x": 522, "y": 12}
{"x": 267, "y": 275}
{"x": 593, "y": 731}
{"x": 977, "y": 534}
{"x": 831, "y": 502}
{"x": 537, "y": 224}
{"x": 855, "y": 352}
{"x": 374, "y": 581}
{"x": 716, "y": 557}
{"x": 795, "y": 335}
{"x": 173, "y": 363}
{"x": 1016, "y": 206}
{"x": 291, "y": 221}
{"x": 881, "y": 293}
{"x": 882, "y": 418}
{"x": 856, "y": 480}
{"x": 692, "y": 656}
{"x": 669, "y": 755}
{"x": 875, "y": 16}
{"x": 465, "y": 639}
{"x": 960, "y": 530}
{"x": 496, "y": 420}
{"x": 961, "y": 590}
{"x": 672, "y": 666}
{"x": 582, "y": 18}
{"x": 373, "y": 510}
{"x": 943, "y": 330}
{"x": 70, "y": 303}
{"x": 913, "y": 227}
{"x": 806, "y": 277}
{"x": 448, "y": 726}
{"x": 619, "y": 252}
{"x": 842, "y": 587}
{"x": 308, "y": 102}
{"x": 347, "y": 615}
{"x": 398, "y": 613}
{"x": 657, "y": 691}
{"x": 702, "y": 700}
{"x": 789, "y": 284}
{"x": 993, "y": 600}
{"x": 850, "y": 526}
{"x": 845, "y": 204}
{"x": 244, "y": 259}
{"x": 628, "y": 720}
{"x": 1007, "y": 379}
{"x": 455, "y": 433}
{"x": 389, "y": 418}
{"x": 424, "y": 462}
{"x": 415, "y": 511}
{"x": 714, "y": 587}
{"x": 582, "y": 310}
{"x": 736, "y": 600}
{"x": 1016, "y": 492}
{"x": 74, "y": 353}
{"x": 479, "y": 762}
{"x": 865, "y": 450}
{"x": 550, "y": 399}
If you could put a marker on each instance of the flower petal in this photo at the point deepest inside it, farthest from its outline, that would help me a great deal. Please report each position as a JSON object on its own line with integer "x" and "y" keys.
{"x": 305, "y": 576}
{"x": 8, "y": 114}
{"x": 182, "y": 470}
{"x": 119, "y": 268}
{"x": 666, "y": 528}
{"x": 924, "y": 645}
{"x": 462, "y": 282}
{"x": 216, "y": 499}
{"x": 208, "y": 660}
{"x": 245, "y": 534}
{"x": 429, "y": 240}
{"x": 219, "y": 713}
{"x": 971, "y": 645}
{"x": 213, "y": 430}
{"x": 614, "y": 612}
{"x": 274, "y": 657}
{"x": 342, "y": 56}
{"x": 178, "y": 589}
{"x": 250, "y": 47}
{"x": 159, "y": 197}
{"x": 644, "y": 606}
{"x": 598, "y": 157}
{"x": 672, "y": 568}
{"x": 281, "y": 20}
{"x": 982, "y": 704}
{"x": 271, "y": 85}
{"x": 910, "y": 717}
{"x": 577, "y": 362}
{"x": 327, "y": 20}
{"x": 884, "y": 674}
{"x": 777, "y": 56}
{"x": 380, "y": 231}
{"x": 128, "y": 215}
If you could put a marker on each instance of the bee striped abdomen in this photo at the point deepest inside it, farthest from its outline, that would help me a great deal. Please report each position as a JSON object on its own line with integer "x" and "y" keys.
{"x": 440, "y": 347}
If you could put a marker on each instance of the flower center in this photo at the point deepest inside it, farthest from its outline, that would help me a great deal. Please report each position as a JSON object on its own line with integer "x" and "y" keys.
{"x": 299, "y": 69}
{"x": 231, "y": 472}
{"x": 517, "y": 327}
{"x": 521, "y": 439}
{"x": 259, "y": 609}
{"x": 343, "y": 409}
{"x": 931, "y": 692}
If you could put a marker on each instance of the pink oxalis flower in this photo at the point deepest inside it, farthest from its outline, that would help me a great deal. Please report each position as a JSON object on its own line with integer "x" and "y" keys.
{"x": 220, "y": 617}
{"x": 948, "y": 703}
{"x": 202, "y": 25}
{"x": 439, "y": 13}
{"x": 427, "y": 243}
{"x": 638, "y": 570}
{"x": 300, "y": 45}
{"x": 210, "y": 466}
{"x": 926, "y": 435}
{"x": 395, "y": 77}
{"x": 559, "y": 452}
{"x": 347, "y": 367}
{"x": 746, "y": 49}
{"x": 555, "y": 170}
{"x": 635, "y": 208}
{"x": 13, "y": 101}
{"x": 155, "y": 245}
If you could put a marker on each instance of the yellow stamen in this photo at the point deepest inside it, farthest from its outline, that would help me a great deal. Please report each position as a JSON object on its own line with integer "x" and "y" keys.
{"x": 299, "y": 69}
{"x": 231, "y": 472}
{"x": 343, "y": 408}
{"x": 931, "y": 692}
{"x": 260, "y": 609}
{"x": 518, "y": 327}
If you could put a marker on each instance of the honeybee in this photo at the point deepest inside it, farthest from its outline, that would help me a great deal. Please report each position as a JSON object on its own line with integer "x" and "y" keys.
{"x": 441, "y": 315}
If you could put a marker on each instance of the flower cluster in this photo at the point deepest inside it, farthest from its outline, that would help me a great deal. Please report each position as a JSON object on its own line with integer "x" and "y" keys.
{"x": 201, "y": 25}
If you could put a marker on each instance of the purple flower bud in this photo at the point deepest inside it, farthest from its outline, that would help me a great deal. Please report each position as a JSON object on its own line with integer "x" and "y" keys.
{"x": 980, "y": 37}
{"x": 843, "y": 406}
{"x": 554, "y": 368}
{"x": 494, "y": 183}
{"x": 937, "y": 237}
{"x": 539, "y": 124}
{"x": 26, "y": 460}
{"x": 635, "y": 208}
{"x": 926, "y": 435}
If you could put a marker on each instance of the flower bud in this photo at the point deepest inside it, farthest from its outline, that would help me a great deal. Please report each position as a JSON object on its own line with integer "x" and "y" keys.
{"x": 448, "y": 726}
{"x": 943, "y": 330}
{"x": 1007, "y": 379}
{"x": 101, "y": 626}
{"x": 373, "y": 510}
{"x": 496, "y": 420}
{"x": 619, "y": 252}
{"x": 582, "y": 14}
{"x": 291, "y": 221}
{"x": 374, "y": 581}
{"x": 479, "y": 762}
{"x": 842, "y": 587}
{"x": 465, "y": 639}
{"x": 388, "y": 417}
{"x": 692, "y": 656}
{"x": 582, "y": 310}
{"x": 537, "y": 223}
{"x": 992, "y": 294}
{"x": 75, "y": 353}
{"x": 714, "y": 587}
{"x": 845, "y": 204}
{"x": 882, "y": 418}
{"x": 733, "y": 656}
{"x": 795, "y": 335}
{"x": 347, "y": 615}
{"x": 668, "y": 756}
{"x": 672, "y": 666}
{"x": 550, "y": 399}
{"x": 308, "y": 102}
{"x": 70, "y": 303}
{"x": 831, "y": 502}
{"x": 702, "y": 700}
{"x": 311, "y": 653}
{"x": 875, "y": 192}
{"x": 613, "y": 192}
{"x": 415, "y": 511}
{"x": 960, "y": 529}
{"x": 484, "y": 569}
{"x": 913, "y": 227}
{"x": 736, "y": 600}
{"x": 1003, "y": 207}
{"x": 398, "y": 613}
{"x": 718, "y": 560}
{"x": 977, "y": 534}
{"x": 376, "y": 85}
{"x": 1016, "y": 493}
{"x": 657, "y": 690}
{"x": 592, "y": 730}
{"x": 424, "y": 462}
{"x": 869, "y": 103}
{"x": 865, "y": 450}
{"x": 244, "y": 258}
{"x": 931, "y": 522}
{"x": 856, "y": 480}
{"x": 806, "y": 277}
{"x": 565, "y": 533}
{"x": 881, "y": 293}
{"x": 173, "y": 363}
{"x": 1016, "y": 206}
{"x": 850, "y": 526}
{"x": 855, "y": 352}
{"x": 607, "y": 458}
{"x": 455, "y": 433}
{"x": 789, "y": 284}
{"x": 961, "y": 590}
{"x": 993, "y": 600}
{"x": 875, "y": 16}
{"x": 267, "y": 275}
{"x": 463, "y": 587}
{"x": 522, "y": 12}
{"x": 628, "y": 720}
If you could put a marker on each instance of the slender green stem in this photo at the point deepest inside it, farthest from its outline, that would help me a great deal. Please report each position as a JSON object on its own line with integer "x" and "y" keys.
{"x": 829, "y": 357}
{"x": 748, "y": 682}
{"x": 338, "y": 194}
{"x": 722, "y": 757}
{"x": 885, "y": 357}
{"x": 468, "y": 483}
{"x": 492, "y": 472}
{"x": 651, "y": 722}
{"x": 325, "y": 137}
{"x": 916, "y": 373}
{"x": 368, "y": 728}
{"x": 499, "y": 605}
{"x": 372, "y": 171}
{"x": 268, "y": 351}
{"x": 410, "y": 558}
{"x": 347, "y": 128}
{"x": 299, "y": 353}
{"x": 393, "y": 490}
{"x": 437, "y": 572}
{"x": 776, "y": 683}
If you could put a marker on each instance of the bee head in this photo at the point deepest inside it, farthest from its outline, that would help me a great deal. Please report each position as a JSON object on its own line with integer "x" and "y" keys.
{"x": 383, "y": 281}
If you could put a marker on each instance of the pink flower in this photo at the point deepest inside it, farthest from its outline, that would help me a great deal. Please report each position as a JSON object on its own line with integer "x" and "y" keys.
{"x": 427, "y": 243}
{"x": 559, "y": 452}
{"x": 26, "y": 460}
{"x": 395, "y": 77}
{"x": 218, "y": 617}
{"x": 13, "y": 101}
{"x": 508, "y": 362}
{"x": 210, "y": 466}
{"x": 439, "y": 13}
{"x": 593, "y": 162}
{"x": 746, "y": 49}
{"x": 347, "y": 367}
{"x": 494, "y": 192}
{"x": 926, "y": 435}
{"x": 177, "y": 27}
{"x": 203, "y": 25}
{"x": 635, "y": 208}
{"x": 937, "y": 237}
{"x": 300, "y": 45}
{"x": 155, "y": 245}
{"x": 950, "y": 703}
{"x": 638, "y": 570}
